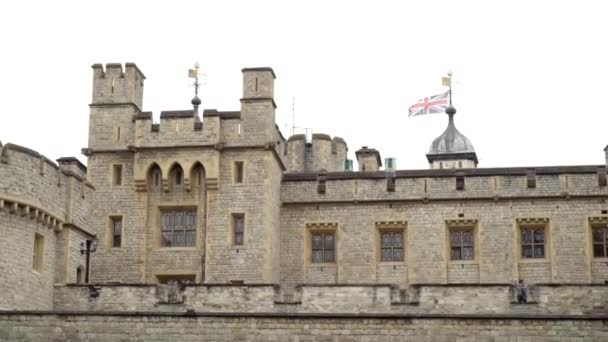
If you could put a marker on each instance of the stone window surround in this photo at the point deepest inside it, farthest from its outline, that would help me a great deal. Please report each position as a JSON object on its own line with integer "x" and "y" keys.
{"x": 110, "y": 230}
{"x": 391, "y": 226}
{"x": 115, "y": 179}
{"x": 235, "y": 171}
{"x": 542, "y": 222}
{"x": 592, "y": 223}
{"x": 233, "y": 232}
{"x": 462, "y": 224}
{"x": 325, "y": 228}
{"x": 534, "y": 223}
{"x": 38, "y": 253}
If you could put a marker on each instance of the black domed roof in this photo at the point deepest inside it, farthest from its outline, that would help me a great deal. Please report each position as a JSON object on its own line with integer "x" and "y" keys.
{"x": 451, "y": 141}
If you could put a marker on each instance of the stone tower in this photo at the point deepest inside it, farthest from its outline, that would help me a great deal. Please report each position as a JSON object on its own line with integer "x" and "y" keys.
{"x": 117, "y": 96}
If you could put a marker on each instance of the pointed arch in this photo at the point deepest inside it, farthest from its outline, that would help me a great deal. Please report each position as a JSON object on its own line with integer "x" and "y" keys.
{"x": 176, "y": 175}
{"x": 197, "y": 175}
{"x": 154, "y": 176}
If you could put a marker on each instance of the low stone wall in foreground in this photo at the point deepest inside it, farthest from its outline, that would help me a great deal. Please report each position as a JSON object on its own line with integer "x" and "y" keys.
{"x": 149, "y": 327}
{"x": 550, "y": 299}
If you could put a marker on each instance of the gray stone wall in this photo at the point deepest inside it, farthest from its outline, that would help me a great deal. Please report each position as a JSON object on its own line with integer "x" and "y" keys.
{"x": 120, "y": 201}
{"x": 21, "y": 286}
{"x": 110, "y": 328}
{"x": 258, "y": 199}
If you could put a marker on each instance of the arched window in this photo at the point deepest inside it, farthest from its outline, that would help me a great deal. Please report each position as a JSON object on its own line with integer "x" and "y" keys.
{"x": 197, "y": 175}
{"x": 154, "y": 177}
{"x": 176, "y": 176}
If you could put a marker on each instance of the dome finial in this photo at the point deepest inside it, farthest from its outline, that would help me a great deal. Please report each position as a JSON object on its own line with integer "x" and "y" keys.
{"x": 196, "y": 101}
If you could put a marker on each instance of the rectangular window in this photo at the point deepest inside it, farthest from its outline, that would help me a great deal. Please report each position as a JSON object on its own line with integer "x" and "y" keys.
{"x": 238, "y": 172}
{"x": 600, "y": 241}
{"x": 462, "y": 244}
{"x": 238, "y": 226}
{"x": 323, "y": 247}
{"x": 391, "y": 246}
{"x": 116, "y": 227}
{"x": 459, "y": 182}
{"x": 531, "y": 179}
{"x": 38, "y": 252}
{"x": 178, "y": 228}
{"x": 117, "y": 175}
{"x": 532, "y": 242}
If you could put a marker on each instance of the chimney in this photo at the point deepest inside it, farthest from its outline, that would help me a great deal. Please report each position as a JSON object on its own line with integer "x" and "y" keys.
{"x": 368, "y": 159}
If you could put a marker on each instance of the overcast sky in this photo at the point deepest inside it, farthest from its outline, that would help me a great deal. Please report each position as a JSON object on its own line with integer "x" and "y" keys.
{"x": 530, "y": 76}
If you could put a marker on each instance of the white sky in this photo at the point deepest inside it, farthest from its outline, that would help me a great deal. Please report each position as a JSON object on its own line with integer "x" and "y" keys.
{"x": 531, "y": 76}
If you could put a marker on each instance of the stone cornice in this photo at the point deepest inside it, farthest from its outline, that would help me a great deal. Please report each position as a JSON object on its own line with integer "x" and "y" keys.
{"x": 322, "y": 225}
{"x": 533, "y": 220}
{"x": 35, "y": 212}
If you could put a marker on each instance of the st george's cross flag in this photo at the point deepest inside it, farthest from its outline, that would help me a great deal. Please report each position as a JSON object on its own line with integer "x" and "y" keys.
{"x": 430, "y": 105}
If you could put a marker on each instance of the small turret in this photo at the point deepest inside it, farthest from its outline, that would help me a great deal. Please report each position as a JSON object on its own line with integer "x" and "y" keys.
{"x": 320, "y": 153}
{"x": 452, "y": 150}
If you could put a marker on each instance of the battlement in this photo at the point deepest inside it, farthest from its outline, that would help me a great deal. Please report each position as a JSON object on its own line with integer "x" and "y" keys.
{"x": 320, "y": 153}
{"x": 115, "y": 84}
{"x": 491, "y": 184}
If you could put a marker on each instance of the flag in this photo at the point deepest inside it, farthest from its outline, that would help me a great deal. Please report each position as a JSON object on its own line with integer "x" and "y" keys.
{"x": 430, "y": 105}
{"x": 192, "y": 73}
{"x": 446, "y": 81}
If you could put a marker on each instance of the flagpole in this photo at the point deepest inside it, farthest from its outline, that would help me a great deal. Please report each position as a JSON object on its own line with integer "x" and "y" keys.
{"x": 450, "y": 76}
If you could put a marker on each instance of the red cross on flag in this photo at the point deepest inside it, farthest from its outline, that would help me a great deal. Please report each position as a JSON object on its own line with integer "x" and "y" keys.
{"x": 430, "y": 105}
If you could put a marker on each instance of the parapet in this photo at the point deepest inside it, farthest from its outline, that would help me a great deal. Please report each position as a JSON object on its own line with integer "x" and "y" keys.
{"x": 45, "y": 189}
{"x": 117, "y": 85}
{"x": 73, "y": 165}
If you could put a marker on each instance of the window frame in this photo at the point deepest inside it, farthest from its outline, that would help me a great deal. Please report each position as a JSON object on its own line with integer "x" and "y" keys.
{"x": 38, "y": 253}
{"x": 604, "y": 243}
{"x": 462, "y": 225}
{"x": 391, "y": 227}
{"x": 112, "y": 233}
{"x": 534, "y": 224}
{"x": 532, "y": 244}
{"x": 233, "y": 229}
{"x": 324, "y": 229}
{"x": 186, "y": 210}
{"x": 238, "y": 175}
{"x": 117, "y": 175}
{"x": 324, "y": 234}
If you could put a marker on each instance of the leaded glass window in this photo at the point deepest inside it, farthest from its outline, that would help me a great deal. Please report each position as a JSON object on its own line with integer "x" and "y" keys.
{"x": 461, "y": 244}
{"x": 600, "y": 242}
{"x": 391, "y": 246}
{"x": 323, "y": 247}
{"x": 116, "y": 232}
{"x": 178, "y": 228}
{"x": 533, "y": 243}
{"x": 238, "y": 224}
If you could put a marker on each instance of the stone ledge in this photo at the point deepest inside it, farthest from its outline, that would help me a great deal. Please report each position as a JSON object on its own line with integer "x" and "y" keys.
{"x": 293, "y": 315}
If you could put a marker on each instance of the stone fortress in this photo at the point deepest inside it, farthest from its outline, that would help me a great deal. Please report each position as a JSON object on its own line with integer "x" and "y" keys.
{"x": 215, "y": 224}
